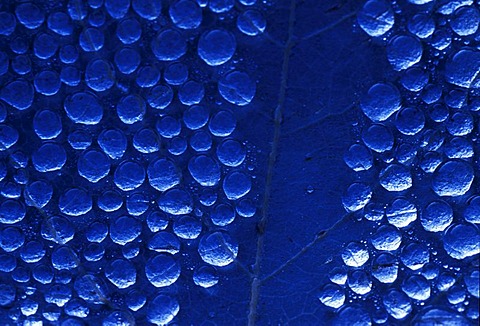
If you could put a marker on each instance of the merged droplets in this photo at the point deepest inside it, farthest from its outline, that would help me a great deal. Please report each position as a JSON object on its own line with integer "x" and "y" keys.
{"x": 119, "y": 108}
{"x": 418, "y": 142}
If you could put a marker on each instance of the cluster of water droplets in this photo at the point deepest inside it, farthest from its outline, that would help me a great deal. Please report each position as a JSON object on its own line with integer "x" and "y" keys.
{"x": 416, "y": 171}
{"x": 119, "y": 148}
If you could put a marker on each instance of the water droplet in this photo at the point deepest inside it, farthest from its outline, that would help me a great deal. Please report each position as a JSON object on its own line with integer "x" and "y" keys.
{"x": 121, "y": 273}
{"x": 355, "y": 255}
{"x": 218, "y": 249}
{"x": 461, "y": 241}
{"x": 404, "y": 51}
{"x": 237, "y": 88}
{"x": 162, "y": 309}
{"x": 452, "y": 178}
{"x": 162, "y": 270}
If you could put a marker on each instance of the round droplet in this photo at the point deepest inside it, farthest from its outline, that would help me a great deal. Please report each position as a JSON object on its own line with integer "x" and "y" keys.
{"x": 7, "y": 23}
{"x": 83, "y": 108}
{"x": 187, "y": 227}
{"x": 127, "y": 60}
{"x": 332, "y": 296}
{"x": 129, "y": 31}
{"x": 359, "y": 282}
{"x": 472, "y": 211}
{"x": 160, "y": 96}
{"x": 204, "y": 170}
{"x": 64, "y": 258}
{"x": 401, "y": 212}
{"x": 96, "y": 232}
{"x": 91, "y": 39}
{"x": 60, "y": 23}
{"x": 124, "y": 229}
{"x": 99, "y": 75}
{"x": 164, "y": 242}
{"x": 157, "y": 221}
{"x": 169, "y": 45}
{"x": 163, "y": 174}
{"x": 162, "y": 309}
{"x": 176, "y": 74}
{"x": 404, "y": 51}
{"x": 415, "y": 256}
{"x": 110, "y": 201}
{"x": 355, "y": 255}
{"x": 395, "y": 177}
{"x": 11, "y": 238}
{"x": 437, "y": 216}
{"x": 251, "y": 23}
{"x": 121, "y": 273}
{"x": 49, "y": 157}
{"x": 453, "y": 178}
{"x": 75, "y": 202}
{"x": 135, "y": 300}
{"x": 117, "y": 8}
{"x": 47, "y": 82}
{"x": 218, "y": 249}
{"x": 8, "y": 137}
{"x": 222, "y": 215}
{"x": 18, "y": 93}
{"x": 460, "y": 124}
{"x": 175, "y": 202}
{"x": 201, "y": 141}
{"x": 421, "y": 25}
{"x": 162, "y": 270}
{"x": 462, "y": 68}
{"x": 376, "y": 17}
{"x": 385, "y": 268}
{"x": 29, "y": 15}
{"x": 356, "y": 197}
{"x": 146, "y": 141}
{"x": 358, "y": 158}
{"x": 47, "y": 124}
{"x": 147, "y": 9}
{"x": 231, "y": 153}
{"x": 205, "y": 276}
{"x": 147, "y": 76}
{"x": 131, "y": 109}
{"x": 236, "y": 185}
{"x": 397, "y": 304}
{"x": 386, "y": 238}
{"x": 8, "y": 294}
{"x": 237, "y": 88}
{"x": 378, "y": 138}
{"x": 216, "y": 47}
{"x": 416, "y": 287}
{"x": 79, "y": 139}
{"x": 113, "y": 142}
{"x": 38, "y": 194}
{"x": 461, "y": 241}
{"x": 195, "y": 117}
{"x": 93, "y": 165}
{"x": 220, "y": 6}
{"x": 191, "y": 93}
{"x": 186, "y": 14}
{"x": 32, "y": 252}
{"x": 465, "y": 21}
{"x": 410, "y": 121}
{"x": 137, "y": 204}
{"x": 58, "y": 229}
